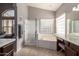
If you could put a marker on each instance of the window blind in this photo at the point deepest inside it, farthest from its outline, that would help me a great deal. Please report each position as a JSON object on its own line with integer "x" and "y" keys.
{"x": 60, "y": 25}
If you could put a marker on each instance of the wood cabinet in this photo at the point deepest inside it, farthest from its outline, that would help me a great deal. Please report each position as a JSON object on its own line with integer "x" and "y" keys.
{"x": 75, "y": 47}
{"x": 0, "y": 50}
{"x": 7, "y": 50}
{"x": 60, "y": 44}
{"x": 70, "y": 49}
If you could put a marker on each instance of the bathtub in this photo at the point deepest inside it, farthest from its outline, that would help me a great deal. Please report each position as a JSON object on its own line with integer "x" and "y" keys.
{"x": 48, "y": 41}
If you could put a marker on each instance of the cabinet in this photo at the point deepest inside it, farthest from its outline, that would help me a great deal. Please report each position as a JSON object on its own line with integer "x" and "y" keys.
{"x": 70, "y": 49}
{"x": 75, "y": 47}
{"x": 0, "y": 50}
{"x": 60, "y": 44}
{"x": 7, "y": 50}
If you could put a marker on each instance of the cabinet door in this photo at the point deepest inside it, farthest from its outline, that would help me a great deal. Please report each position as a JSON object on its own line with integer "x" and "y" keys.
{"x": 59, "y": 41}
{"x": 0, "y": 50}
{"x": 7, "y": 48}
{"x": 69, "y": 51}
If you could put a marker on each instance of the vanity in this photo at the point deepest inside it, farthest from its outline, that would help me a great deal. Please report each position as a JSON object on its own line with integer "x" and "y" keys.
{"x": 70, "y": 46}
{"x": 7, "y": 47}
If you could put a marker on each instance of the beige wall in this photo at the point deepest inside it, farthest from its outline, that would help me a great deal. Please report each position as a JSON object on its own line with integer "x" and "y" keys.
{"x": 37, "y": 13}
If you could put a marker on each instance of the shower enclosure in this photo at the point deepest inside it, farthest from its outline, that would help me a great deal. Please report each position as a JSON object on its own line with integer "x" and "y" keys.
{"x": 31, "y": 32}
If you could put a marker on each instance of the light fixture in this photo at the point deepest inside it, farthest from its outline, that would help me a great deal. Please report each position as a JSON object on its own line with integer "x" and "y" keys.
{"x": 75, "y": 8}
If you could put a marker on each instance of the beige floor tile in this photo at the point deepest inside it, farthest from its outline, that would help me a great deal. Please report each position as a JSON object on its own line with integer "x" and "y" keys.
{"x": 35, "y": 51}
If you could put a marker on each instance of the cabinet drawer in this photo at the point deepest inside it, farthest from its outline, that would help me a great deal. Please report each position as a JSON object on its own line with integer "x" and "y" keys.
{"x": 75, "y": 47}
{"x": 69, "y": 51}
{"x": 7, "y": 48}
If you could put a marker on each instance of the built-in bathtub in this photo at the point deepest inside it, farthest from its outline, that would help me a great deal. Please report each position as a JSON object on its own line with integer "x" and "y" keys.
{"x": 48, "y": 41}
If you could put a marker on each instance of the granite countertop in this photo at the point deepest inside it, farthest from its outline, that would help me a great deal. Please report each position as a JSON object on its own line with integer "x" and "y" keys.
{"x": 5, "y": 41}
{"x": 74, "y": 40}
{"x": 71, "y": 39}
{"x": 60, "y": 36}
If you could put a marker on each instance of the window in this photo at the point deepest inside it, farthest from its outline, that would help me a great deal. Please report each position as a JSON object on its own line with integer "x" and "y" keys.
{"x": 46, "y": 26}
{"x": 60, "y": 25}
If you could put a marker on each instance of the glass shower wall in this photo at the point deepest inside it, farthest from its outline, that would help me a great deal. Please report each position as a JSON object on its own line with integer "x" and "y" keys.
{"x": 31, "y": 32}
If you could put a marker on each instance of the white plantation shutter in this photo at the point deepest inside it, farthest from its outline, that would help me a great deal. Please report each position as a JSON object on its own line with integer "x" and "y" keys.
{"x": 60, "y": 25}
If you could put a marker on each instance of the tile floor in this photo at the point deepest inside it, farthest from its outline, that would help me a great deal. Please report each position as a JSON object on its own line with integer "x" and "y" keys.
{"x": 36, "y": 51}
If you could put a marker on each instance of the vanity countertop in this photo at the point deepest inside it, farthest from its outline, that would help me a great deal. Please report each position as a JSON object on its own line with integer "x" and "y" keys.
{"x": 3, "y": 42}
{"x": 73, "y": 39}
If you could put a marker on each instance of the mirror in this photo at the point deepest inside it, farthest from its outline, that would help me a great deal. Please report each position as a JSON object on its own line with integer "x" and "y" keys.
{"x": 73, "y": 23}
{"x": 7, "y": 24}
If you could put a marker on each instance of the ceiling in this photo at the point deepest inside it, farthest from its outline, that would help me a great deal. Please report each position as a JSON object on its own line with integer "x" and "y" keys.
{"x": 46, "y": 6}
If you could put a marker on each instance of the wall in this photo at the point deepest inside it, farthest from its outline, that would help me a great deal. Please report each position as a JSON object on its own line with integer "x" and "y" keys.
{"x": 36, "y": 13}
{"x": 22, "y": 14}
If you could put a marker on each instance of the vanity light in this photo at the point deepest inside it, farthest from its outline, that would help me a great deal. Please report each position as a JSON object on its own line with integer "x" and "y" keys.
{"x": 75, "y": 8}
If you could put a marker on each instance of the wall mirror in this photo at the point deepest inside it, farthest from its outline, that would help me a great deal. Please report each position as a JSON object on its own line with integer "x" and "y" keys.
{"x": 7, "y": 22}
{"x": 73, "y": 23}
